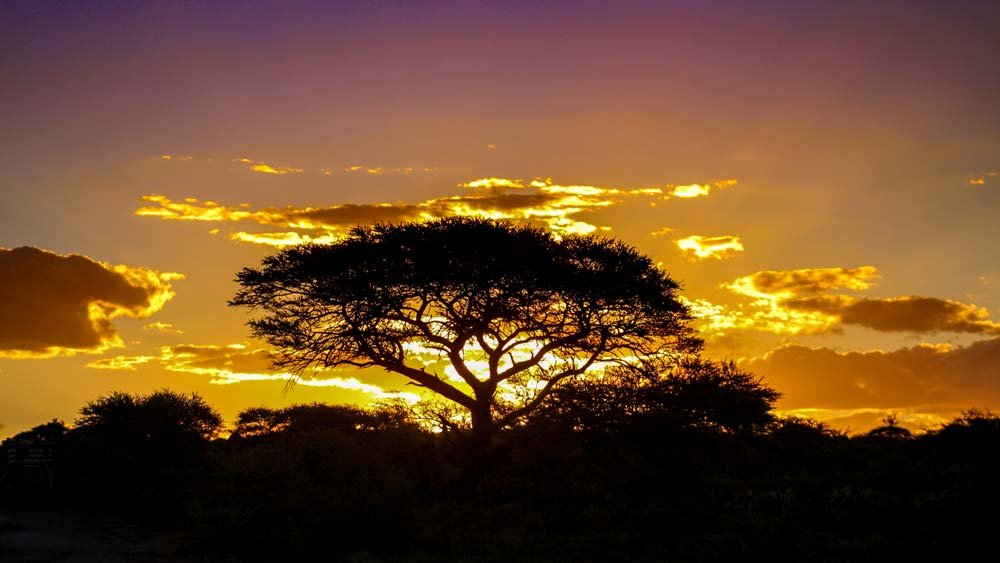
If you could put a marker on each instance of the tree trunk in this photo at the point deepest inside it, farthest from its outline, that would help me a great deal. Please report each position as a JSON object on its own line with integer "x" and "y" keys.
{"x": 474, "y": 460}
{"x": 483, "y": 426}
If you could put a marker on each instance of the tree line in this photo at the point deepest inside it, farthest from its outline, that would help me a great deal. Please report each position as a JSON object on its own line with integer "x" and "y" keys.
{"x": 581, "y": 479}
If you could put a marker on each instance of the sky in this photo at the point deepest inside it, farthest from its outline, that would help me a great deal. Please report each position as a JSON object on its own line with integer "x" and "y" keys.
{"x": 821, "y": 177}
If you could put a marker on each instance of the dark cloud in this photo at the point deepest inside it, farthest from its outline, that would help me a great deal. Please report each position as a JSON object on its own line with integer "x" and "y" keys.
{"x": 903, "y": 314}
{"x": 52, "y": 304}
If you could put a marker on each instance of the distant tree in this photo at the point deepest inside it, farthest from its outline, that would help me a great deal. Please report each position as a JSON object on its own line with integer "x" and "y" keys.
{"x": 512, "y": 310}
{"x": 972, "y": 427}
{"x": 697, "y": 393}
{"x": 890, "y": 429}
{"x": 796, "y": 433}
{"x": 52, "y": 433}
{"x": 161, "y": 415}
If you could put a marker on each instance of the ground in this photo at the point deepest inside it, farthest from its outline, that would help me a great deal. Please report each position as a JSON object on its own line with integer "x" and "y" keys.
{"x": 62, "y": 536}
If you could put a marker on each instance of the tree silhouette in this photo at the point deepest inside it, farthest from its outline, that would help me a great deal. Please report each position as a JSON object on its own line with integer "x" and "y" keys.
{"x": 890, "y": 429}
{"x": 510, "y": 310}
{"x": 161, "y": 416}
{"x": 51, "y": 433}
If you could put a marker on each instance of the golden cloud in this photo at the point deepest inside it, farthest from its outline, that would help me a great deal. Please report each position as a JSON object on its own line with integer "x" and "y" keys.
{"x": 763, "y": 315}
{"x": 981, "y": 180}
{"x": 381, "y": 171}
{"x": 555, "y": 206}
{"x": 691, "y": 190}
{"x": 125, "y": 363}
{"x": 59, "y": 305}
{"x": 284, "y": 239}
{"x": 699, "y": 190}
{"x": 786, "y": 284}
{"x": 700, "y": 248}
{"x": 808, "y": 301}
{"x": 162, "y": 327}
{"x": 265, "y": 168}
{"x": 766, "y": 293}
{"x": 925, "y": 377}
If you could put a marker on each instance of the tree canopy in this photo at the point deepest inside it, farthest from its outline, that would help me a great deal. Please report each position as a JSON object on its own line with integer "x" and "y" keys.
{"x": 510, "y": 310}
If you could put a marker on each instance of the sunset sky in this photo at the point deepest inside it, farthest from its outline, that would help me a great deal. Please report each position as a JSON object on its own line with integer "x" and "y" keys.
{"x": 822, "y": 177}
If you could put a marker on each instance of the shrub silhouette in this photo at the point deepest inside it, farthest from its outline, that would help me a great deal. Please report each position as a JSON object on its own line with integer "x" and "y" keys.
{"x": 299, "y": 419}
{"x": 695, "y": 394}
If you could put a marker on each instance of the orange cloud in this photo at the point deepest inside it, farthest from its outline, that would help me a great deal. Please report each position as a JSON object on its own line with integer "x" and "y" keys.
{"x": 59, "y": 305}
{"x": 700, "y": 248}
{"x": 925, "y": 378}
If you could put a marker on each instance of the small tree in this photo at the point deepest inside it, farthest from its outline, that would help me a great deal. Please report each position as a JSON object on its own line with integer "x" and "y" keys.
{"x": 141, "y": 451}
{"x": 511, "y": 311}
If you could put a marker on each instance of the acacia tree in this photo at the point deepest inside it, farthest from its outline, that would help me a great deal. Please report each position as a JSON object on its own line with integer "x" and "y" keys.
{"x": 510, "y": 311}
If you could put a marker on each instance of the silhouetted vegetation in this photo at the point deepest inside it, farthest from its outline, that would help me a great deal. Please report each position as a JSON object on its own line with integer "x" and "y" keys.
{"x": 687, "y": 466}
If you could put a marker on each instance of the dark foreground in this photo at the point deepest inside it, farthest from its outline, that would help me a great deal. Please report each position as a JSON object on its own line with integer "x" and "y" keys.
{"x": 355, "y": 486}
{"x": 69, "y": 536}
